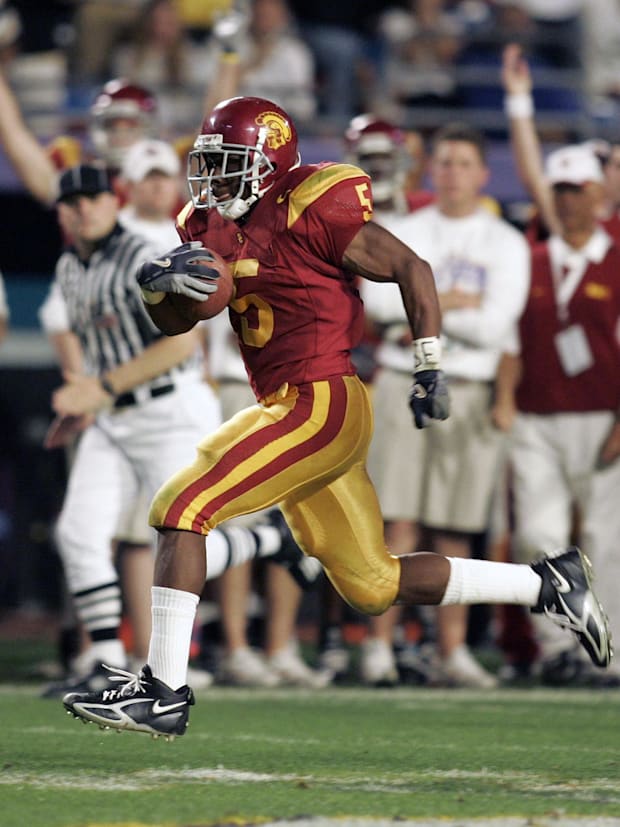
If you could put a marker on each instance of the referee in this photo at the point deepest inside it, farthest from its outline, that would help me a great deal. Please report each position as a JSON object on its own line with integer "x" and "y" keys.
{"x": 140, "y": 405}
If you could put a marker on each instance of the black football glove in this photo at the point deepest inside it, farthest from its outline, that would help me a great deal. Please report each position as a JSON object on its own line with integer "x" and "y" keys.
{"x": 429, "y": 398}
{"x": 181, "y": 270}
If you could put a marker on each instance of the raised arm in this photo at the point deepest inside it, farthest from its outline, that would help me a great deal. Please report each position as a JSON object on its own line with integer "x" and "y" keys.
{"x": 527, "y": 152}
{"x": 26, "y": 155}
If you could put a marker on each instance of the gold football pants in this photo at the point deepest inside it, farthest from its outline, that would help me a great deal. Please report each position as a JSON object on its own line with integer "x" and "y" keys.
{"x": 303, "y": 448}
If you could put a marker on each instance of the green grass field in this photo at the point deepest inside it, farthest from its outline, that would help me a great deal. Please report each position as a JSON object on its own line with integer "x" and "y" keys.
{"x": 261, "y": 755}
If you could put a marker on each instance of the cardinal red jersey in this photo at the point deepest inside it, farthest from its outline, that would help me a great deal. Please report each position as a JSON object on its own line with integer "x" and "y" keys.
{"x": 611, "y": 226}
{"x": 296, "y": 311}
{"x": 544, "y": 387}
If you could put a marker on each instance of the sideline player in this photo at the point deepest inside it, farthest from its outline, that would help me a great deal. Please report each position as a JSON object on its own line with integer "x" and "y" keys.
{"x": 297, "y": 236}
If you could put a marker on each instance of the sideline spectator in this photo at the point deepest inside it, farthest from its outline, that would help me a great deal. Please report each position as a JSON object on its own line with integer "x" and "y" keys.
{"x": 601, "y": 59}
{"x": 560, "y": 386}
{"x": 275, "y": 62}
{"x": 527, "y": 151}
{"x": 99, "y": 25}
{"x": 342, "y": 39}
{"x": 481, "y": 267}
{"x": 423, "y": 42}
{"x": 396, "y": 452}
{"x": 151, "y": 170}
{"x": 161, "y": 55}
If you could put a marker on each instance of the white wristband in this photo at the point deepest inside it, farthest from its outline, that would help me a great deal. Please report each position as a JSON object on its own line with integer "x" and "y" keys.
{"x": 519, "y": 105}
{"x": 152, "y": 296}
{"x": 426, "y": 353}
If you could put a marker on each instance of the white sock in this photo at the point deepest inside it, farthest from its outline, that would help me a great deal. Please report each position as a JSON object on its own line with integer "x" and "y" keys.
{"x": 173, "y": 612}
{"x": 110, "y": 652}
{"x": 482, "y": 581}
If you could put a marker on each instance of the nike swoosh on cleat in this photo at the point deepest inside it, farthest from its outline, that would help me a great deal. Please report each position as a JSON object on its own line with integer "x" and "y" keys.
{"x": 559, "y": 582}
{"x": 161, "y": 262}
{"x": 158, "y": 709}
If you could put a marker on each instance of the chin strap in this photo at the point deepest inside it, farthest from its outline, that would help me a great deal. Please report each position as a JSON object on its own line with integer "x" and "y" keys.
{"x": 237, "y": 208}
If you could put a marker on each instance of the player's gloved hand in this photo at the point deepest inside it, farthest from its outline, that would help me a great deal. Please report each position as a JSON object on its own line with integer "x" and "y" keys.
{"x": 182, "y": 270}
{"x": 429, "y": 398}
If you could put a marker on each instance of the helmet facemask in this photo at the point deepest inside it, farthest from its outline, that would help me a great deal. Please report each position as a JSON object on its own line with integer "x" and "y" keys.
{"x": 237, "y": 171}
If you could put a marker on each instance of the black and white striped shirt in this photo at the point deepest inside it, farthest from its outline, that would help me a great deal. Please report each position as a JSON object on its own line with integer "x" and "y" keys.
{"x": 104, "y": 304}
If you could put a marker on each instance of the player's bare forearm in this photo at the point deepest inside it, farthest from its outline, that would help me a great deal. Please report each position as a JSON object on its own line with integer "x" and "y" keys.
{"x": 377, "y": 255}
{"x": 165, "y": 318}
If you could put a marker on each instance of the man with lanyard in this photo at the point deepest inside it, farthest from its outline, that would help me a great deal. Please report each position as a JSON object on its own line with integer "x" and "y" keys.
{"x": 559, "y": 389}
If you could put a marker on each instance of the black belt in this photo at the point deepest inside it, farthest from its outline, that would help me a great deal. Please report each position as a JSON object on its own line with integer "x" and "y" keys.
{"x": 125, "y": 400}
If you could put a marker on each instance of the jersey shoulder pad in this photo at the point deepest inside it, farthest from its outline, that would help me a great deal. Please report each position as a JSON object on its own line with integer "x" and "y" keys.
{"x": 322, "y": 182}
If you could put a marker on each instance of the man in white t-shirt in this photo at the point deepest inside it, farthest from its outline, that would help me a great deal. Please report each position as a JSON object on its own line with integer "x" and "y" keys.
{"x": 481, "y": 267}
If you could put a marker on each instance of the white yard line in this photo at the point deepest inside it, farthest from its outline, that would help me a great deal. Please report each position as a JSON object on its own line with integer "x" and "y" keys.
{"x": 524, "y": 782}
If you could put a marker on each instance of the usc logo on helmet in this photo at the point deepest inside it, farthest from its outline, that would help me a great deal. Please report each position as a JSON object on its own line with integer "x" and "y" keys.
{"x": 278, "y": 131}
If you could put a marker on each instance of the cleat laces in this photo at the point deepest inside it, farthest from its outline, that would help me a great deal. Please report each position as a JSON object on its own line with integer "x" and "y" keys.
{"x": 132, "y": 684}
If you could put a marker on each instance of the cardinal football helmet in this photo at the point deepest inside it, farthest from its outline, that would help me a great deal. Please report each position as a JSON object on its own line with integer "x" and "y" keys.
{"x": 245, "y": 145}
{"x": 122, "y": 114}
{"x": 378, "y": 147}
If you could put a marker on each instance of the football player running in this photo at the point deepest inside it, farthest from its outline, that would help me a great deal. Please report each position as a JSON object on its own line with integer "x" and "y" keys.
{"x": 297, "y": 237}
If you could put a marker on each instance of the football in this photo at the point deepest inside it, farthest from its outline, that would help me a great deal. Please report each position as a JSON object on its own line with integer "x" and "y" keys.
{"x": 195, "y": 311}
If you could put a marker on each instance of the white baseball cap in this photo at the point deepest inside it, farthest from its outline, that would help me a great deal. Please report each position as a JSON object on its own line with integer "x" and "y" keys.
{"x": 147, "y": 156}
{"x": 575, "y": 164}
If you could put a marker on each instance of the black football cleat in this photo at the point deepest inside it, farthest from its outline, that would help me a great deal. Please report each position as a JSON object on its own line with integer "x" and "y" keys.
{"x": 566, "y": 597}
{"x": 141, "y": 704}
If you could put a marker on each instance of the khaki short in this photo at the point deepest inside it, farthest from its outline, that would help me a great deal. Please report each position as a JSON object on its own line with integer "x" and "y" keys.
{"x": 397, "y": 452}
{"x": 463, "y": 462}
